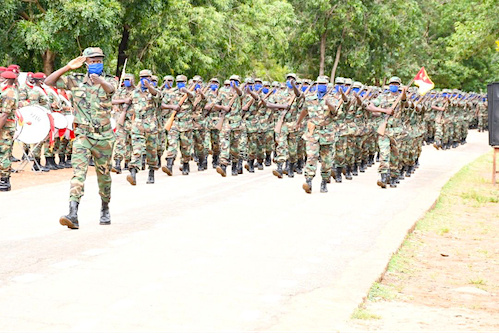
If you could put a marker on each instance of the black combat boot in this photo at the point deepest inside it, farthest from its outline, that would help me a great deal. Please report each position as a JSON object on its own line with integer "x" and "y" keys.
{"x": 382, "y": 181}
{"x": 240, "y": 166}
{"x": 377, "y": 157}
{"x": 205, "y": 163}
{"x": 324, "y": 186}
{"x": 437, "y": 144}
{"x": 62, "y": 161}
{"x": 308, "y": 185}
{"x": 143, "y": 162}
{"x": 234, "y": 169}
{"x": 371, "y": 160}
{"x": 125, "y": 166}
{"x": 251, "y": 166}
{"x": 259, "y": 164}
{"x": 91, "y": 162}
{"x": 362, "y": 166}
{"x": 348, "y": 173}
{"x": 337, "y": 177}
{"x": 5, "y": 184}
{"x": 150, "y": 179}
{"x": 50, "y": 163}
{"x": 168, "y": 168}
{"x": 71, "y": 220}
{"x": 185, "y": 169}
{"x": 68, "y": 162}
{"x": 132, "y": 177}
{"x": 14, "y": 159}
{"x": 117, "y": 166}
{"x": 402, "y": 172}
{"x": 355, "y": 169}
{"x": 37, "y": 166}
{"x": 278, "y": 172}
{"x": 200, "y": 164}
{"x": 222, "y": 170}
{"x": 286, "y": 168}
{"x": 268, "y": 160}
{"x": 393, "y": 181}
{"x": 416, "y": 164}
{"x": 409, "y": 171}
{"x": 291, "y": 170}
{"x": 215, "y": 162}
{"x": 299, "y": 166}
{"x": 455, "y": 144}
{"x": 105, "y": 216}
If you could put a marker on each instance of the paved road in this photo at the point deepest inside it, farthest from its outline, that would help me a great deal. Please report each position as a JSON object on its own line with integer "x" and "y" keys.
{"x": 203, "y": 253}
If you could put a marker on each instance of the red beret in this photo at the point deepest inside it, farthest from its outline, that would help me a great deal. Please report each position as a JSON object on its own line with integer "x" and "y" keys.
{"x": 3, "y": 69}
{"x": 9, "y": 75}
{"x": 39, "y": 75}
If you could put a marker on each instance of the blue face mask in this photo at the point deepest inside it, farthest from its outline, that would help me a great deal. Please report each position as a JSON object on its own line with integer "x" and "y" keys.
{"x": 362, "y": 94}
{"x": 258, "y": 86}
{"x": 168, "y": 85}
{"x": 460, "y": 96}
{"x": 96, "y": 68}
{"x": 444, "y": 95}
{"x": 232, "y": 83}
{"x": 394, "y": 88}
{"x": 273, "y": 91}
{"x": 127, "y": 83}
{"x": 180, "y": 85}
{"x": 288, "y": 83}
{"x": 250, "y": 88}
{"x": 313, "y": 89}
{"x": 345, "y": 88}
{"x": 321, "y": 90}
{"x": 356, "y": 90}
{"x": 338, "y": 87}
{"x": 304, "y": 88}
{"x": 214, "y": 87}
{"x": 142, "y": 86}
{"x": 154, "y": 83}
{"x": 198, "y": 86}
{"x": 484, "y": 99}
{"x": 265, "y": 90}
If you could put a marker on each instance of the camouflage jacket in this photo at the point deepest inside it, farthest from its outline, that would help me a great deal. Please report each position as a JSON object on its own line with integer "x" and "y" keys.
{"x": 320, "y": 124}
{"x": 33, "y": 96}
{"x": 145, "y": 106}
{"x": 9, "y": 101}
{"x": 251, "y": 115}
{"x": 123, "y": 93}
{"x": 183, "y": 118}
{"x": 266, "y": 117}
{"x": 285, "y": 96}
{"x": 92, "y": 105}
{"x": 212, "y": 116}
{"x": 233, "y": 119}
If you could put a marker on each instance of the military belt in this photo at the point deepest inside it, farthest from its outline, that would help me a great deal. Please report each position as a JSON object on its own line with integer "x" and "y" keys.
{"x": 95, "y": 129}
{"x": 320, "y": 127}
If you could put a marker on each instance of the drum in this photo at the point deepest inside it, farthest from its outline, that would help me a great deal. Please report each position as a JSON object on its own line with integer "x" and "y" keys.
{"x": 113, "y": 124}
{"x": 70, "y": 119}
{"x": 60, "y": 121}
{"x": 33, "y": 124}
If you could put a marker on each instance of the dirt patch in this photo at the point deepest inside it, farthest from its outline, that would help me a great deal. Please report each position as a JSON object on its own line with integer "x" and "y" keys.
{"x": 445, "y": 276}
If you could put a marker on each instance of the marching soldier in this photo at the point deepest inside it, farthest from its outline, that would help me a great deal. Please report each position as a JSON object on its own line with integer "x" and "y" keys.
{"x": 92, "y": 93}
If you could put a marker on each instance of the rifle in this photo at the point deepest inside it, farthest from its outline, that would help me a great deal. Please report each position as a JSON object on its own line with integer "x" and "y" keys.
{"x": 222, "y": 116}
{"x": 198, "y": 99}
{"x": 382, "y": 128}
{"x": 123, "y": 73}
{"x": 278, "y": 125}
{"x": 170, "y": 120}
{"x": 3, "y": 120}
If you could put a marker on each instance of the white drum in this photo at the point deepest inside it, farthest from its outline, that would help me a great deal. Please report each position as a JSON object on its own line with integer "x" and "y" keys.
{"x": 113, "y": 124}
{"x": 33, "y": 124}
{"x": 70, "y": 119}
{"x": 60, "y": 121}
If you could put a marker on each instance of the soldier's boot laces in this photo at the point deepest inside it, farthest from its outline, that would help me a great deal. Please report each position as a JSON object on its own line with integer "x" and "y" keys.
{"x": 150, "y": 179}
{"x": 308, "y": 185}
{"x": 105, "y": 216}
{"x": 71, "y": 220}
{"x": 278, "y": 172}
{"x": 337, "y": 177}
{"x": 382, "y": 180}
{"x": 132, "y": 177}
{"x": 324, "y": 186}
{"x": 222, "y": 170}
{"x": 291, "y": 170}
{"x": 117, "y": 166}
{"x": 5, "y": 184}
{"x": 234, "y": 169}
{"x": 168, "y": 168}
{"x": 50, "y": 163}
{"x": 185, "y": 169}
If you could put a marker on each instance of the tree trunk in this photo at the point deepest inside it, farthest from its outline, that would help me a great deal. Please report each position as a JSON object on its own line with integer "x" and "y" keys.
{"x": 48, "y": 58}
{"x": 122, "y": 48}
{"x": 323, "y": 53}
{"x": 337, "y": 58}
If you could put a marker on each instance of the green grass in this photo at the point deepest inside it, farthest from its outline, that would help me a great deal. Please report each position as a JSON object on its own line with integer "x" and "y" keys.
{"x": 380, "y": 292}
{"x": 477, "y": 281}
{"x": 363, "y": 314}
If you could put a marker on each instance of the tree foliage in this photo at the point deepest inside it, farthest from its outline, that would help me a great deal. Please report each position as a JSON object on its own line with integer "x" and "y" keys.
{"x": 366, "y": 40}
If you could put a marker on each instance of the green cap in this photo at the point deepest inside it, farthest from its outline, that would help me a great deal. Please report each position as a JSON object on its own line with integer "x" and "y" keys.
{"x": 90, "y": 52}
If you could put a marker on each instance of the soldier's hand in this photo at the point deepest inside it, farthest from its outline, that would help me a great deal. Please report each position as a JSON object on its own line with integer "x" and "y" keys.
{"x": 146, "y": 84}
{"x": 184, "y": 90}
{"x": 389, "y": 111}
{"x": 177, "y": 108}
{"x": 96, "y": 78}
{"x": 76, "y": 62}
{"x": 128, "y": 100}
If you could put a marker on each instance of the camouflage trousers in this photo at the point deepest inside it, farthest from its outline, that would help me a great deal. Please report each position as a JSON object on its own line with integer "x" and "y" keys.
{"x": 255, "y": 149}
{"x": 405, "y": 146}
{"x": 65, "y": 147}
{"x": 266, "y": 141}
{"x": 351, "y": 150}
{"x": 50, "y": 151}
{"x": 162, "y": 141}
{"x": 230, "y": 142}
{"x": 36, "y": 149}
{"x": 302, "y": 150}
{"x": 200, "y": 148}
{"x": 179, "y": 140}
{"x": 123, "y": 147}
{"x": 6, "y": 145}
{"x": 214, "y": 141}
{"x": 314, "y": 150}
{"x": 340, "y": 150}
{"x": 149, "y": 142}
{"x": 287, "y": 145}
{"x": 430, "y": 129}
{"x": 439, "y": 131}
{"x": 388, "y": 155}
{"x": 243, "y": 143}
{"x": 101, "y": 151}
{"x": 483, "y": 122}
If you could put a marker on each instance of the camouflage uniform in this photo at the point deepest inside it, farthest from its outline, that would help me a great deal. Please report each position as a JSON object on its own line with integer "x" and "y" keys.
{"x": 252, "y": 129}
{"x": 9, "y": 98}
{"x": 34, "y": 96}
{"x": 211, "y": 122}
{"x": 94, "y": 135}
{"x": 123, "y": 147}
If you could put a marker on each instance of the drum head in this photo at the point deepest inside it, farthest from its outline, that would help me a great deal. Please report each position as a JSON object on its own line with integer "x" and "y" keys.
{"x": 60, "y": 122}
{"x": 113, "y": 124}
{"x": 35, "y": 125}
{"x": 70, "y": 119}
